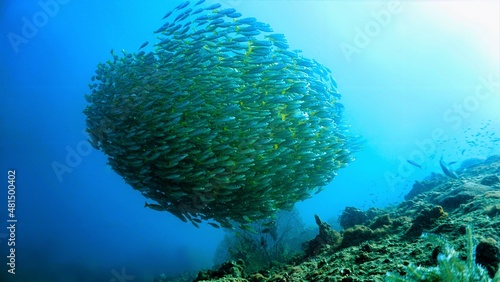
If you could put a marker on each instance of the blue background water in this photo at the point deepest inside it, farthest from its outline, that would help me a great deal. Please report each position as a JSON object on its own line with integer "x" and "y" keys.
{"x": 404, "y": 82}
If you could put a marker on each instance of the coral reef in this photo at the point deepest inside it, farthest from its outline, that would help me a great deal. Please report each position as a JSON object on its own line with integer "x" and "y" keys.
{"x": 266, "y": 243}
{"x": 425, "y": 220}
{"x": 450, "y": 266}
{"x": 326, "y": 237}
{"x": 490, "y": 180}
{"x": 352, "y": 216}
{"x": 233, "y": 269}
{"x": 391, "y": 240}
{"x": 420, "y": 187}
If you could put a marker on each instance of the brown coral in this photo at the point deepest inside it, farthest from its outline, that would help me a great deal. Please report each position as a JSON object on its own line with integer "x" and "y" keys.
{"x": 425, "y": 220}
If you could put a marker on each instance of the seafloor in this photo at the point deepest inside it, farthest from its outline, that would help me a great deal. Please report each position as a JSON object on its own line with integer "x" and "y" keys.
{"x": 379, "y": 241}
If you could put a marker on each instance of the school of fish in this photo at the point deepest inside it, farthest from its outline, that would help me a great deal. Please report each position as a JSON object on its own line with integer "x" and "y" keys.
{"x": 221, "y": 121}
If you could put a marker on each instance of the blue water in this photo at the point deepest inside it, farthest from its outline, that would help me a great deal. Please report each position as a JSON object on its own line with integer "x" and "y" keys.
{"x": 420, "y": 81}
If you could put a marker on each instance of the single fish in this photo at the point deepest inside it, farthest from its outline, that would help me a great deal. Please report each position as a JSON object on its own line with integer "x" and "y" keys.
{"x": 447, "y": 170}
{"x": 214, "y": 225}
{"x": 197, "y": 11}
{"x": 199, "y": 2}
{"x": 213, "y": 7}
{"x": 248, "y": 228}
{"x": 182, "y": 5}
{"x": 246, "y": 20}
{"x": 167, "y": 15}
{"x": 153, "y": 206}
{"x": 234, "y": 15}
{"x": 414, "y": 163}
{"x": 162, "y": 28}
{"x": 143, "y": 45}
{"x": 227, "y": 11}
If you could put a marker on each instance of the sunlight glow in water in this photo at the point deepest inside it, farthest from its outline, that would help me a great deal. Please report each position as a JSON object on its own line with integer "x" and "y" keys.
{"x": 478, "y": 20}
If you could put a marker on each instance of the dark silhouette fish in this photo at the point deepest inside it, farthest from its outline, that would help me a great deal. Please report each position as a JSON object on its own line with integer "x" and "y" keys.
{"x": 414, "y": 163}
{"x": 449, "y": 172}
{"x": 153, "y": 206}
{"x": 143, "y": 45}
